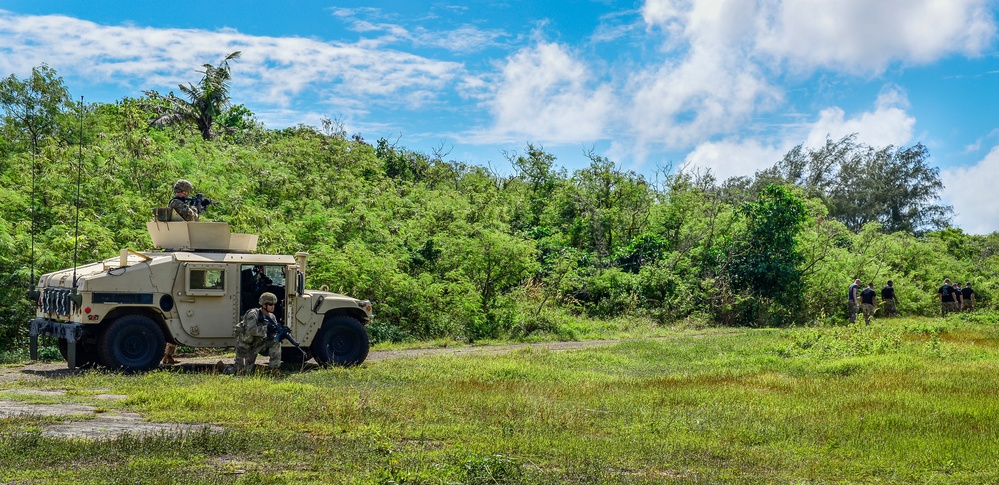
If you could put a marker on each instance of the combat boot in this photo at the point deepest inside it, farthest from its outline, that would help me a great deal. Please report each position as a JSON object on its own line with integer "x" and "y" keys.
{"x": 169, "y": 360}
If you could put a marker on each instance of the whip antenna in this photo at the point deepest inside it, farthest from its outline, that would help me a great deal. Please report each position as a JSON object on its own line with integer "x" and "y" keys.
{"x": 33, "y": 293}
{"x": 79, "y": 171}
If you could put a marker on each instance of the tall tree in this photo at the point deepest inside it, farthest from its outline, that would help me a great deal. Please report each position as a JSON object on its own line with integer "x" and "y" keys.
{"x": 765, "y": 260}
{"x": 205, "y": 101}
{"x": 860, "y": 184}
{"x": 32, "y": 106}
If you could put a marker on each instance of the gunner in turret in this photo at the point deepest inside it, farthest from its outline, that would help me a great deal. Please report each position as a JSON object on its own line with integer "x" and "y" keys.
{"x": 181, "y": 203}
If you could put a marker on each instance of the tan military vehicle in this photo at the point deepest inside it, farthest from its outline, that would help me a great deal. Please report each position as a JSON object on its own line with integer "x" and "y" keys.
{"x": 192, "y": 291}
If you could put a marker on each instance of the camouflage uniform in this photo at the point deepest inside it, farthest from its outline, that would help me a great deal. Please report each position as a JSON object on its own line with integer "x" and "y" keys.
{"x": 187, "y": 213}
{"x": 180, "y": 204}
{"x": 888, "y": 300}
{"x": 252, "y": 338}
{"x": 852, "y": 305}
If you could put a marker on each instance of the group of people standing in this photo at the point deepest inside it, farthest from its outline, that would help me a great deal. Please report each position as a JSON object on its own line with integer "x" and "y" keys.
{"x": 953, "y": 298}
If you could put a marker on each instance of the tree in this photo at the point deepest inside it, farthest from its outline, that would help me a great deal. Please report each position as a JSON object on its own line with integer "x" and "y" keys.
{"x": 32, "y": 106}
{"x": 766, "y": 261}
{"x": 859, "y": 184}
{"x": 206, "y": 101}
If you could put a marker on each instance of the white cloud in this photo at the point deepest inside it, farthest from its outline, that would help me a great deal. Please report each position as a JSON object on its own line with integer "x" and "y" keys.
{"x": 887, "y": 124}
{"x": 968, "y": 189}
{"x": 464, "y": 39}
{"x": 546, "y": 94}
{"x": 707, "y": 83}
{"x": 733, "y": 158}
{"x": 866, "y": 36}
{"x": 850, "y": 35}
{"x": 271, "y": 70}
{"x": 722, "y": 59}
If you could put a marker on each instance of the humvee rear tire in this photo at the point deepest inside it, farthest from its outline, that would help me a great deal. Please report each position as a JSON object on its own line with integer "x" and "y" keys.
{"x": 86, "y": 356}
{"x": 132, "y": 342}
{"x": 341, "y": 341}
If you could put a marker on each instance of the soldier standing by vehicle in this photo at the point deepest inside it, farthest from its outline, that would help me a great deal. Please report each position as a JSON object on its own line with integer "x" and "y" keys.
{"x": 252, "y": 337}
{"x": 968, "y": 298}
{"x": 888, "y": 300}
{"x": 869, "y": 299}
{"x": 851, "y": 300}
{"x": 948, "y": 299}
{"x": 180, "y": 203}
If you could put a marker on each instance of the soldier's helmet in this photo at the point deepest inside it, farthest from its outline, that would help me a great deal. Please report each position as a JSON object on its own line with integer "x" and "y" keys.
{"x": 268, "y": 298}
{"x": 183, "y": 186}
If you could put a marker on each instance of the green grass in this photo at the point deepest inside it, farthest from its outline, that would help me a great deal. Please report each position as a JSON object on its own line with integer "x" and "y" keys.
{"x": 902, "y": 401}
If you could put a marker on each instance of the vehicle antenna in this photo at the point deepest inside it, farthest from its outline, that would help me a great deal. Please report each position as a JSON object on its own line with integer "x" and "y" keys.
{"x": 33, "y": 292}
{"x": 78, "y": 299}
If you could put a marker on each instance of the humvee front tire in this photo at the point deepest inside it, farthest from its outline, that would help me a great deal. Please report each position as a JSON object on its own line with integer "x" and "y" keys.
{"x": 341, "y": 341}
{"x": 132, "y": 342}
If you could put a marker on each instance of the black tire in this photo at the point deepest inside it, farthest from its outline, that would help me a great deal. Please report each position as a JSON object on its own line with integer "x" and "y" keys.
{"x": 292, "y": 355}
{"x": 132, "y": 342}
{"x": 86, "y": 355}
{"x": 341, "y": 341}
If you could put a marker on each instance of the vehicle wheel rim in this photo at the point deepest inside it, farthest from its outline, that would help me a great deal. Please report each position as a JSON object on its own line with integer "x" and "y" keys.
{"x": 134, "y": 346}
{"x": 341, "y": 344}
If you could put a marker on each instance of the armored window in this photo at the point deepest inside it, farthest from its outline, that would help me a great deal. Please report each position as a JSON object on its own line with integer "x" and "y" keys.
{"x": 205, "y": 280}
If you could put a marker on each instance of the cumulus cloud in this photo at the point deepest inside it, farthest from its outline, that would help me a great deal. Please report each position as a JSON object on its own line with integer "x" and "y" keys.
{"x": 967, "y": 189}
{"x": 865, "y": 36}
{"x": 851, "y": 35}
{"x": 735, "y": 157}
{"x": 888, "y": 123}
{"x": 545, "y": 93}
{"x": 722, "y": 60}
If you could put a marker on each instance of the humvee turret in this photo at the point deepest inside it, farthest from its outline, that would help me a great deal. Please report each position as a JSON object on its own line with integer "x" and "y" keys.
{"x": 191, "y": 291}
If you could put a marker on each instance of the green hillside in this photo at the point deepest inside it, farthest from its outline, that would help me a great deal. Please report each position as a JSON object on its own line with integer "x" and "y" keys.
{"x": 520, "y": 249}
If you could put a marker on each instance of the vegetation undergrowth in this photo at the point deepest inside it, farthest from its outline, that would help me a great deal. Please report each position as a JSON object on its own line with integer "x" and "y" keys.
{"x": 900, "y": 401}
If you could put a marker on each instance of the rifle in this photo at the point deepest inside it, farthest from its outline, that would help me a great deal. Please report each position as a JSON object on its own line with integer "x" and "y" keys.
{"x": 280, "y": 332}
{"x": 199, "y": 202}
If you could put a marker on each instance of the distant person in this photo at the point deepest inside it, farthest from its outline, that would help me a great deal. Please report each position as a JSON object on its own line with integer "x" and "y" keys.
{"x": 888, "y": 301}
{"x": 252, "y": 337}
{"x": 959, "y": 296}
{"x": 851, "y": 300}
{"x": 181, "y": 203}
{"x": 968, "y": 298}
{"x": 948, "y": 298}
{"x": 869, "y": 302}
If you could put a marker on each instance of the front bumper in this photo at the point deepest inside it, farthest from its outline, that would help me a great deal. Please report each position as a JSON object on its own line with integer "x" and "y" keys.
{"x": 70, "y": 331}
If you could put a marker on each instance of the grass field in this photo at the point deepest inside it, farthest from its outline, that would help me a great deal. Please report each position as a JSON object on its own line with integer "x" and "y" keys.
{"x": 901, "y": 401}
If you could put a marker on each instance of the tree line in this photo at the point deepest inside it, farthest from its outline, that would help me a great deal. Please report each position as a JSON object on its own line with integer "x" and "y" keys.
{"x": 450, "y": 249}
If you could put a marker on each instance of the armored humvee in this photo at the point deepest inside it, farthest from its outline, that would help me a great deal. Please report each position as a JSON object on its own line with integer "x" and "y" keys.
{"x": 192, "y": 291}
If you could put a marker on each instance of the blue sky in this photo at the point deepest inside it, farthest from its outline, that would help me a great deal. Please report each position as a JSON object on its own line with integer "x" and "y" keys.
{"x": 725, "y": 85}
